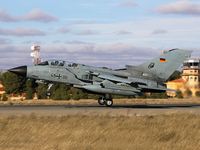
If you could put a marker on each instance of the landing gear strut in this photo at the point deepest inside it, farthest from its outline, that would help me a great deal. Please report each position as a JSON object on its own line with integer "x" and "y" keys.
{"x": 48, "y": 90}
{"x": 105, "y": 101}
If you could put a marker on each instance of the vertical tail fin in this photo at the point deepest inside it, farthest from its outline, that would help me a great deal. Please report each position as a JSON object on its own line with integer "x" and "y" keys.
{"x": 164, "y": 65}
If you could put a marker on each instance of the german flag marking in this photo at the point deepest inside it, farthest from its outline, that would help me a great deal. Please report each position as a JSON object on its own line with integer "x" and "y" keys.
{"x": 162, "y": 60}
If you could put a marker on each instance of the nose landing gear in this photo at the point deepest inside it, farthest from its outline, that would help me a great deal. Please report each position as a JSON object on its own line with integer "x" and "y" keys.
{"x": 48, "y": 90}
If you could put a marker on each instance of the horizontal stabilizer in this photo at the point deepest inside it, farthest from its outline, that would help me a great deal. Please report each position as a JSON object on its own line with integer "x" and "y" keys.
{"x": 155, "y": 89}
{"x": 113, "y": 78}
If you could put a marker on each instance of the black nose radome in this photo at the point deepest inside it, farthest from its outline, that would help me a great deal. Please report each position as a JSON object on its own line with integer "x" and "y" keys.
{"x": 22, "y": 70}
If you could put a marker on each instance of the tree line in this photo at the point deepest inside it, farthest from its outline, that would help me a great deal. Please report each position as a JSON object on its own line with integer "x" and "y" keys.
{"x": 15, "y": 84}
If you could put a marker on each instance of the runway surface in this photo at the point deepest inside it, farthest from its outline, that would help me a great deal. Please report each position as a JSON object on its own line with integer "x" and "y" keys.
{"x": 127, "y": 110}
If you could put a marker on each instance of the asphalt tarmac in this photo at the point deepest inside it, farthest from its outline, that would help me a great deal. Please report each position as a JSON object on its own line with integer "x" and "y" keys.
{"x": 127, "y": 110}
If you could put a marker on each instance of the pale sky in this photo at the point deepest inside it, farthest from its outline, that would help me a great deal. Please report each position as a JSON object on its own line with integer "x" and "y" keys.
{"x": 110, "y": 33}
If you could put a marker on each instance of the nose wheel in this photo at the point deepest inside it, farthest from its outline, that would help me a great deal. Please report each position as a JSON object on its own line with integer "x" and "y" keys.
{"x": 105, "y": 101}
{"x": 48, "y": 93}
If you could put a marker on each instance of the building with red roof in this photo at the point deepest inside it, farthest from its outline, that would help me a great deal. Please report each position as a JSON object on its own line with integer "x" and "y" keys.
{"x": 1, "y": 89}
{"x": 190, "y": 79}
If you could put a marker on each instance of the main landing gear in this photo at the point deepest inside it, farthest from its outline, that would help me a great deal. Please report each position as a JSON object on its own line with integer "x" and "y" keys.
{"x": 105, "y": 101}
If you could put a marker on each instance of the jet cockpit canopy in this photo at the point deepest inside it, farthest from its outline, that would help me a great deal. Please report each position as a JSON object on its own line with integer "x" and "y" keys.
{"x": 44, "y": 63}
{"x": 56, "y": 63}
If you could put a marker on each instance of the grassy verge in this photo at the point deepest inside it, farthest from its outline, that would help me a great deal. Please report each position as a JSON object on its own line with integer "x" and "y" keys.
{"x": 163, "y": 132}
{"x": 92, "y": 101}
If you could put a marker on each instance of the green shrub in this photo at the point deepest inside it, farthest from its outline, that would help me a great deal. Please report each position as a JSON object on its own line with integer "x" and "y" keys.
{"x": 41, "y": 91}
{"x": 75, "y": 96}
{"x": 158, "y": 95}
{"x": 79, "y": 94}
{"x": 29, "y": 94}
{"x": 122, "y": 97}
{"x": 94, "y": 96}
{"x": 42, "y": 94}
{"x": 5, "y": 98}
{"x": 179, "y": 95}
{"x": 60, "y": 92}
{"x": 57, "y": 95}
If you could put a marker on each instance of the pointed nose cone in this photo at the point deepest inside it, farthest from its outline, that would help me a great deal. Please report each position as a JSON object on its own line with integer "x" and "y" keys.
{"x": 22, "y": 71}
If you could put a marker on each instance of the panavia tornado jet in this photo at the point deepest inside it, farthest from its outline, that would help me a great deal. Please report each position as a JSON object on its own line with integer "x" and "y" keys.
{"x": 131, "y": 80}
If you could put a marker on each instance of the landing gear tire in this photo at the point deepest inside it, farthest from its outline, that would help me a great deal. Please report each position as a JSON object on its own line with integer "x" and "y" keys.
{"x": 109, "y": 102}
{"x": 48, "y": 93}
{"x": 101, "y": 101}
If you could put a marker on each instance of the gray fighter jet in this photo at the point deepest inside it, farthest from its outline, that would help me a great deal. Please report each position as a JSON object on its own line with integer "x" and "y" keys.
{"x": 132, "y": 80}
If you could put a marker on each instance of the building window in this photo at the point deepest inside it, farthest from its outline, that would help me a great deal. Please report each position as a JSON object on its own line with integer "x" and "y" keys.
{"x": 195, "y": 79}
{"x": 191, "y": 78}
{"x": 191, "y": 71}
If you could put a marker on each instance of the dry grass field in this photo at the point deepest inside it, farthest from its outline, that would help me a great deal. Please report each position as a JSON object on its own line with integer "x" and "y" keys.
{"x": 161, "y": 132}
{"x": 191, "y": 100}
{"x": 174, "y": 131}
